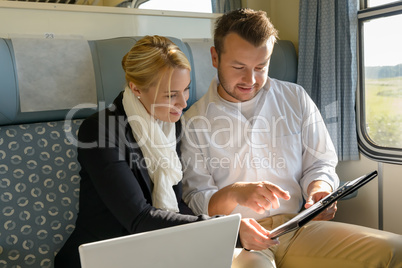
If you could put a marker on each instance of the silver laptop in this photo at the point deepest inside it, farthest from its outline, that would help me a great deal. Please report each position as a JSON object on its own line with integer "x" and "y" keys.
{"x": 202, "y": 244}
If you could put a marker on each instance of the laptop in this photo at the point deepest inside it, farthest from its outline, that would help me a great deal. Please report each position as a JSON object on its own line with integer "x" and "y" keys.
{"x": 308, "y": 214}
{"x": 208, "y": 243}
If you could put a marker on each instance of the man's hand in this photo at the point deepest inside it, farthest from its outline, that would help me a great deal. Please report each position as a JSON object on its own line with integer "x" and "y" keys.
{"x": 259, "y": 196}
{"x": 316, "y": 191}
{"x": 253, "y": 236}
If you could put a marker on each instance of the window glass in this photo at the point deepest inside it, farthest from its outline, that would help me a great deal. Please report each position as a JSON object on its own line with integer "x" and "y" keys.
{"x": 203, "y": 6}
{"x": 374, "y": 3}
{"x": 382, "y": 63}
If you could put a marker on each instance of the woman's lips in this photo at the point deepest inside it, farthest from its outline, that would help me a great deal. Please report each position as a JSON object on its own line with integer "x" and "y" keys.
{"x": 176, "y": 112}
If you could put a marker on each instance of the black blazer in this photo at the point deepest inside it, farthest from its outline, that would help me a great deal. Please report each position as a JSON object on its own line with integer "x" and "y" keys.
{"x": 115, "y": 188}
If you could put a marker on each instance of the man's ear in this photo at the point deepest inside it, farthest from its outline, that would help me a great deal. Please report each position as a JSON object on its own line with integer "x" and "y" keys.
{"x": 134, "y": 89}
{"x": 214, "y": 57}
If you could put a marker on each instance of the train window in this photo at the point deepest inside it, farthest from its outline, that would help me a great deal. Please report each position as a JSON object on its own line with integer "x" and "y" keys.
{"x": 203, "y": 6}
{"x": 374, "y": 3}
{"x": 380, "y": 81}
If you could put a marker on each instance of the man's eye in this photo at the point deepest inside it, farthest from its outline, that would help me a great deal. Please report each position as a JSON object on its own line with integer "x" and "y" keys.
{"x": 237, "y": 67}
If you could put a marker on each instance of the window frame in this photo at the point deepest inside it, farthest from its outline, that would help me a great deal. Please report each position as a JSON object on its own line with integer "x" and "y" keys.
{"x": 366, "y": 145}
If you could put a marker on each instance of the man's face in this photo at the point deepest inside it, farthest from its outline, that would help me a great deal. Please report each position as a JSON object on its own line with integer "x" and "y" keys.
{"x": 242, "y": 68}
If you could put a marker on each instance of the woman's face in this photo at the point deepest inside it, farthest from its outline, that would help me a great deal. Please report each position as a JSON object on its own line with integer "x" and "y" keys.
{"x": 162, "y": 104}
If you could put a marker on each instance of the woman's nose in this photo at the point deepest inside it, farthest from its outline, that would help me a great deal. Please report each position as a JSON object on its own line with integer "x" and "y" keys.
{"x": 182, "y": 101}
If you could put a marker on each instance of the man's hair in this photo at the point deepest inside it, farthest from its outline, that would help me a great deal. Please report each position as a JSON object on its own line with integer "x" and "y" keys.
{"x": 253, "y": 26}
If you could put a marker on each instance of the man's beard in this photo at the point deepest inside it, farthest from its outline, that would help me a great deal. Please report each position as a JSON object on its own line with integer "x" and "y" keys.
{"x": 232, "y": 94}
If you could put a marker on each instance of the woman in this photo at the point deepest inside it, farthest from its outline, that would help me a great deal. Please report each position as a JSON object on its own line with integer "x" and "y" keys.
{"x": 129, "y": 154}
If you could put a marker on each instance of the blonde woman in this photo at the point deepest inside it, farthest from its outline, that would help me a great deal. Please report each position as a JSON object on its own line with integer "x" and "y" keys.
{"x": 129, "y": 154}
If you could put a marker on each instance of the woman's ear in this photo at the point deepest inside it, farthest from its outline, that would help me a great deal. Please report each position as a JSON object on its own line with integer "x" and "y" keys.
{"x": 134, "y": 89}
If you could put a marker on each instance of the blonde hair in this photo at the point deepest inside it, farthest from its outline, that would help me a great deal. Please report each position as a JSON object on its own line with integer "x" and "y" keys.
{"x": 150, "y": 59}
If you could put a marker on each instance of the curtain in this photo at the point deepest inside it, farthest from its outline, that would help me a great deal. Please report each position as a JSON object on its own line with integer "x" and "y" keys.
{"x": 328, "y": 67}
{"x": 222, "y": 6}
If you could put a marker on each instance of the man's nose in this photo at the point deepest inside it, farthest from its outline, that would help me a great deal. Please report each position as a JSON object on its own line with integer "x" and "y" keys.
{"x": 249, "y": 77}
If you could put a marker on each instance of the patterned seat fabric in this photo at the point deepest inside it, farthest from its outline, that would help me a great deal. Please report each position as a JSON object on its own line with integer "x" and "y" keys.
{"x": 39, "y": 190}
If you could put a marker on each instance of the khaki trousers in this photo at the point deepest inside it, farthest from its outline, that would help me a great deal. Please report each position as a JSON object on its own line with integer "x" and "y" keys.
{"x": 325, "y": 244}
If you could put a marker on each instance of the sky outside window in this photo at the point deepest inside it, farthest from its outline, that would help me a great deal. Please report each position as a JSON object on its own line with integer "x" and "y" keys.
{"x": 203, "y": 6}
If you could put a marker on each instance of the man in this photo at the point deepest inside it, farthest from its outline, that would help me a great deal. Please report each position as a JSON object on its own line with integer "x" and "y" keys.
{"x": 257, "y": 146}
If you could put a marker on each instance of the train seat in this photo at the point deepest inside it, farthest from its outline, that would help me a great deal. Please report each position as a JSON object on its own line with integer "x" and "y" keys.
{"x": 39, "y": 171}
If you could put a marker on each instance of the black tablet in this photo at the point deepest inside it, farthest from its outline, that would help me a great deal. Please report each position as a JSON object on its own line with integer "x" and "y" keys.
{"x": 310, "y": 213}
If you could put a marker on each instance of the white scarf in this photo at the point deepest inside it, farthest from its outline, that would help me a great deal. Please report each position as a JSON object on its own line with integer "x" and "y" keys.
{"x": 157, "y": 140}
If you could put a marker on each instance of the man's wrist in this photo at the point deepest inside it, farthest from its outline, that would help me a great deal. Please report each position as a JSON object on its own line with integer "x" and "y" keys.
{"x": 319, "y": 185}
